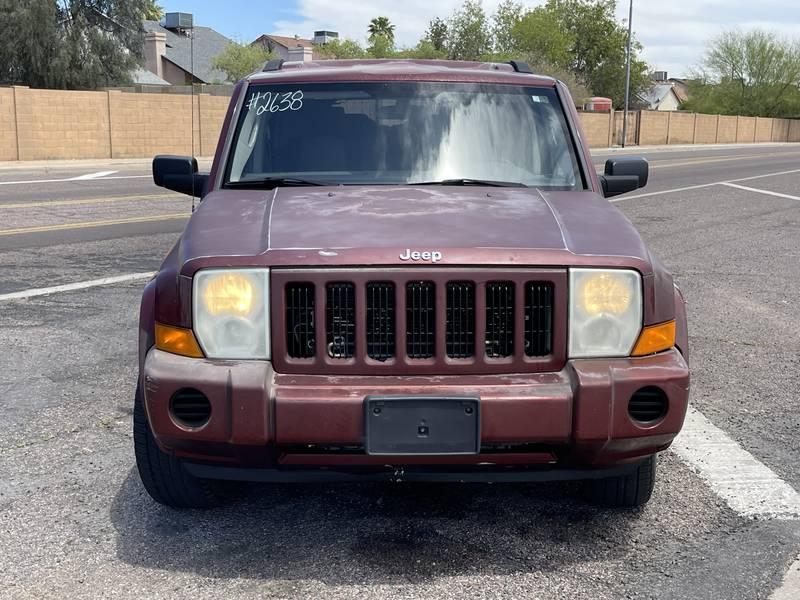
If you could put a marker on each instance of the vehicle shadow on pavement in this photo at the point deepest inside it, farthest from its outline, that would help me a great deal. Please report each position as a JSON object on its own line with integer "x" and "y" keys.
{"x": 371, "y": 533}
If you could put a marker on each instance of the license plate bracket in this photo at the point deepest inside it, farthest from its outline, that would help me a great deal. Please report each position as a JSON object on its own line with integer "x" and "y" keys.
{"x": 422, "y": 425}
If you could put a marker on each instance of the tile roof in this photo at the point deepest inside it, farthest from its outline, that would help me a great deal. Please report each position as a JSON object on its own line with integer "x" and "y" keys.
{"x": 145, "y": 77}
{"x": 285, "y": 41}
{"x": 207, "y": 45}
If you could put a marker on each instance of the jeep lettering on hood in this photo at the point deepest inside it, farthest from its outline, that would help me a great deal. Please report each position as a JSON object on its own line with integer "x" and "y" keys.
{"x": 409, "y": 254}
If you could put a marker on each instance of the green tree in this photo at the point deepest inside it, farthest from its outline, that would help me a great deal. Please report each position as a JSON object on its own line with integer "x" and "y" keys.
{"x": 72, "y": 44}
{"x": 153, "y": 11}
{"x": 598, "y": 46}
{"x": 342, "y": 48}
{"x": 239, "y": 60}
{"x": 751, "y": 73}
{"x": 436, "y": 35}
{"x": 381, "y": 27}
{"x": 469, "y": 37}
{"x": 505, "y": 21}
{"x": 380, "y": 46}
{"x": 539, "y": 36}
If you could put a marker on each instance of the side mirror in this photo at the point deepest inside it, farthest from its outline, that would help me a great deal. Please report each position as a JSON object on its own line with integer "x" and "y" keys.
{"x": 179, "y": 174}
{"x": 623, "y": 175}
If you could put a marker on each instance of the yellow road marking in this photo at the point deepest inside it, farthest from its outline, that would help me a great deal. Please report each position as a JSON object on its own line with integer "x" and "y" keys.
{"x": 88, "y": 224}
{"x": 90, "y": 201}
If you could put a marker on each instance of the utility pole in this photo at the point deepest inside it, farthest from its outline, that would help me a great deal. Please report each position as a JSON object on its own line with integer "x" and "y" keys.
{"x": 627, "y": 77}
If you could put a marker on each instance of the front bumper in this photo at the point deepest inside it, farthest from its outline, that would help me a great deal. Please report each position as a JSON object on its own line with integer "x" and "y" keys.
{"x": 576, "y": 418}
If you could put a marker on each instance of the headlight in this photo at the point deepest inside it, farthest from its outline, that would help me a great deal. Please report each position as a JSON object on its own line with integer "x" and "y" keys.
{"x": 605, "y": 313}
{"x": 231, "y": 312}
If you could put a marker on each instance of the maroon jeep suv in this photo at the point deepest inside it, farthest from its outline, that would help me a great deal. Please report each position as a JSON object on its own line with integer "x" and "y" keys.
{"x": 406, "y": 270}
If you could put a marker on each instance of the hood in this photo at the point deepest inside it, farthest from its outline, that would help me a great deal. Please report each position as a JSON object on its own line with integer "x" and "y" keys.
{"x": 363, "y": 225}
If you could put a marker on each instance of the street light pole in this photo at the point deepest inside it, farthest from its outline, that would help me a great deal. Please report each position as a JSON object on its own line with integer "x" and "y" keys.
{"x": 627, "y": 77}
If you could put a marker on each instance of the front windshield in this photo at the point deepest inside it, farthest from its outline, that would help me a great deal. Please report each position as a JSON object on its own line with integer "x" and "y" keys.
{"x": 403, "y": 133}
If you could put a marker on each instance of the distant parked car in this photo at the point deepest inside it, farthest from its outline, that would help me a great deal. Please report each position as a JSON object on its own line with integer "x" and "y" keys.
{"x": 405, "y": 271}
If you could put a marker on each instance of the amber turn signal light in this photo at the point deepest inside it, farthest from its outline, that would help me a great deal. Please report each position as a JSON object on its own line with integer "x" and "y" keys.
{"x": 177, "y": 341}
{"x": 655, "y": 338}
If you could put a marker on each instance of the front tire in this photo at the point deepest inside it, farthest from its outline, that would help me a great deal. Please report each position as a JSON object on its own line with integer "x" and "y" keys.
{"x": 631, "y": 490}
{"x": 163, "y": 475}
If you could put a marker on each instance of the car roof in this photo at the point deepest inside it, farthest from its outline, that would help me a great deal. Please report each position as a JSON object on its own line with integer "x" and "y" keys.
{"x": 398, "y": 70}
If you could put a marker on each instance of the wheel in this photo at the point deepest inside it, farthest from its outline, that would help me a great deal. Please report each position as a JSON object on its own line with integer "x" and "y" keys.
{"x": 625, "y": 491}
{"x": 163, "y": 475}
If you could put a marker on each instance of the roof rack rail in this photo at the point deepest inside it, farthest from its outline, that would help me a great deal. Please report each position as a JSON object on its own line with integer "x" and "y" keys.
{"x": 520, "y": 67}
{"x": 274, "y": 64}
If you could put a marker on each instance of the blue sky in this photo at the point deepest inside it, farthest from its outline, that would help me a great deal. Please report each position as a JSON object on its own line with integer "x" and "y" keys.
{"x": 243, "y": 20}
{"x": 674, "y": 32}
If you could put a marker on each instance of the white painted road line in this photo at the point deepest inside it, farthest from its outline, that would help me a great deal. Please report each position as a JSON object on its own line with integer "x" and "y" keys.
{"x": 758, "y": 191}
{"x": 748, "y": 486}
{"x": 790, "y": 589}
{"x": 704, "y": 185}
{"x": 93, "y": 175}
{"x": 80, "y": 285}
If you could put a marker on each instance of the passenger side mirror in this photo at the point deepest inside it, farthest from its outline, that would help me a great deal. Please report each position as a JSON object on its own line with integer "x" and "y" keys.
{"x": 624, "y": 174}
{"x": 179, "y": 174}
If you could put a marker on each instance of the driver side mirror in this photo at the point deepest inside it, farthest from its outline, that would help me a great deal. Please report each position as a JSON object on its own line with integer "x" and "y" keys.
{"x": 179, "y": 174}
{"x": 623, "y": 175}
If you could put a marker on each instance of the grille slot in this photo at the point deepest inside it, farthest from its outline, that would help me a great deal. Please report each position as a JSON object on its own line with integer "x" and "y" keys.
{"x": 460, "y": 319}
{"x": 340, "y": 320}
{"x": 648, "y": 404}
{"x": 300, "y": 324}
{"x": 538, "y": 318}
{"x": 380, "y": 320}
{"x": 500, "y": 319}
{"x": 190, "y": 407}
{"x": 420, "y": 319}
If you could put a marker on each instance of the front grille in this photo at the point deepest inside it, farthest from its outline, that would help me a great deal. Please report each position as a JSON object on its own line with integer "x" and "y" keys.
{"x": 300, "y": 327}
{"x": 380, "y": 320}
{"x": 499, "y": 319}
{"x": 420, "y": 319}
{"x": 340, "y": 319}
{"x": 460, "y": 329}
{"x": 538, "y": 318}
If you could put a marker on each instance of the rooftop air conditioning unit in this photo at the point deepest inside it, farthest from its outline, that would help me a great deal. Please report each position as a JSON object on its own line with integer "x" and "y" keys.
{"x": 177, "y": 20}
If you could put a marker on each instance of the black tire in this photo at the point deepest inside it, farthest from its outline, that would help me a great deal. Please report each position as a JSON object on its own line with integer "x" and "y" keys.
{"x": 163, "y": 475}
{"x": 625, "y": 491}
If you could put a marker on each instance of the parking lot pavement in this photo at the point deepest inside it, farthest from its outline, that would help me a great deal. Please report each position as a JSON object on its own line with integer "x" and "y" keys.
{"x": 75, "y": 521}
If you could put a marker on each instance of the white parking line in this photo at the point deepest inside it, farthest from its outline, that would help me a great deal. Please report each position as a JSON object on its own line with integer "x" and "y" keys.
{"x": 758, "y": 191}
{"x": 80, "y": 285}
{"x": 790, "y": 589}
{"x": 703, "y": 185}
{"x": 748, "y": 486}
{"x": 96, "y": 177}
{"x": 93, "y": 175}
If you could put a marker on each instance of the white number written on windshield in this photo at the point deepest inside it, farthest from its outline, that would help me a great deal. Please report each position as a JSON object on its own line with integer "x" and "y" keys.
{"x": 275, "y": 102}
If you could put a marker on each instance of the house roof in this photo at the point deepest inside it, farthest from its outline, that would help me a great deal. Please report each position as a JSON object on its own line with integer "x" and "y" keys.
{"x": 207, "y": 45}
{"x": 144, "y": 77}
{"x": 657, "y": 92}
{"x": 285, "y": 41}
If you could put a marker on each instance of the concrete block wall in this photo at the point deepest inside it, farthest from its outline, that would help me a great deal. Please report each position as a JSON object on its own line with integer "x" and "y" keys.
{"x": 58, "y": 124}
{"x": 681, "y": 128}
{"x": 8, "y": 125}
{"x": 654, "y": 128}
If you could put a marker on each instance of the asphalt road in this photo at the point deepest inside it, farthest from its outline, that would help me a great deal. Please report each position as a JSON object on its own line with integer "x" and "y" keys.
{"x": 75, "y": 521}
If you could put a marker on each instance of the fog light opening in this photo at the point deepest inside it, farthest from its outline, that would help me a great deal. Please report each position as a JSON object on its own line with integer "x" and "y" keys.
{"x": 190, "y": 408}
{"x": 648, "y": 405}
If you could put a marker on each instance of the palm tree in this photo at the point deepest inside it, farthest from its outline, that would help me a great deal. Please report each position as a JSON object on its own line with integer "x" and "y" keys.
{"x": 381, "y": 26}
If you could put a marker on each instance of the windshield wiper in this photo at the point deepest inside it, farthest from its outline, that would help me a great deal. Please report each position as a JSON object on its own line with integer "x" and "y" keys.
{"x": 273, "y": 182}
{"x": 486, "y": 182}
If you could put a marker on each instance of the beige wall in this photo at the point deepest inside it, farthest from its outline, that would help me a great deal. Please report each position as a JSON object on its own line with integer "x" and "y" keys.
{"x": 597, "y": 128}
{"x": 57, "y": 124}
{"x": 653, "y": 128}
{"x": 8, "y": 125}
{"x": 681, "y": 128}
